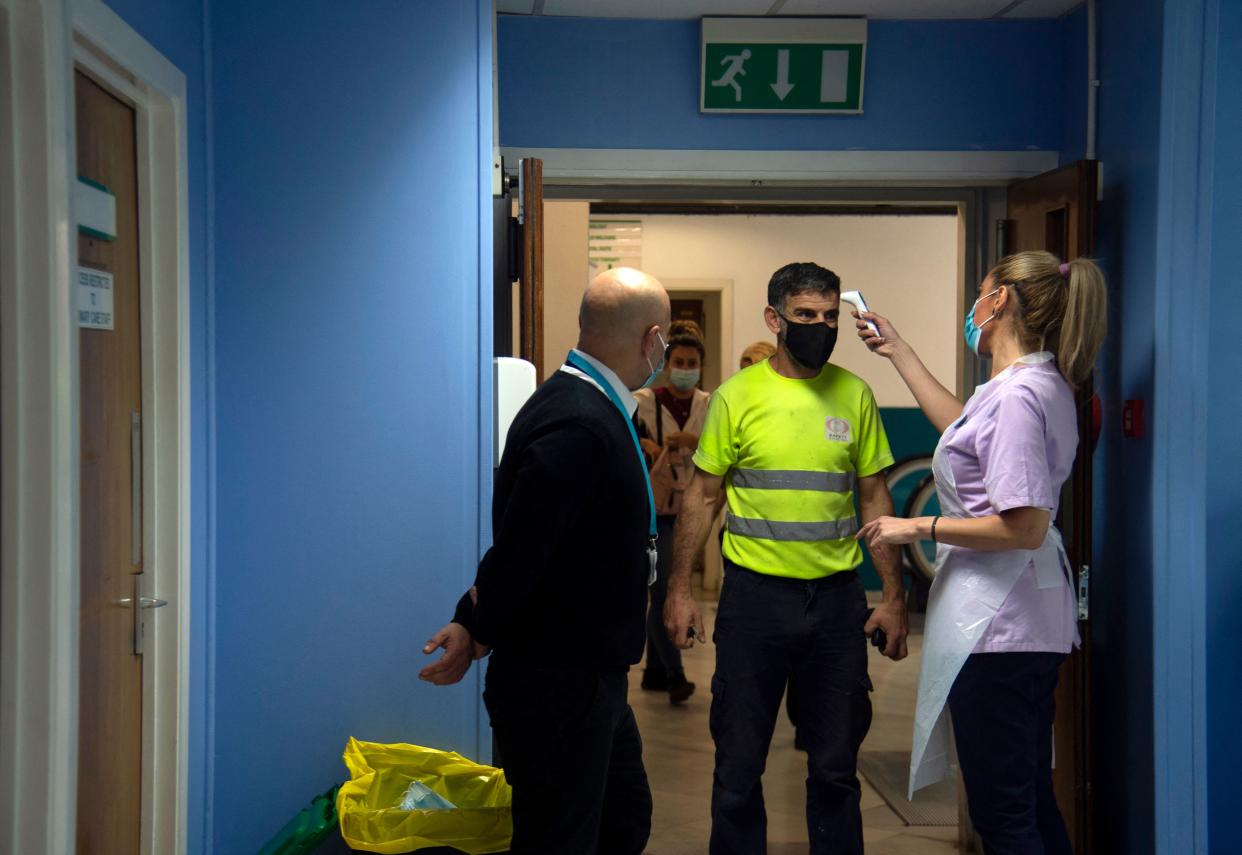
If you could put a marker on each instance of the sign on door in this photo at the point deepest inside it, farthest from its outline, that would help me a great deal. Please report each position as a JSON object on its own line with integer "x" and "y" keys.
{"x": 94, "y": 299}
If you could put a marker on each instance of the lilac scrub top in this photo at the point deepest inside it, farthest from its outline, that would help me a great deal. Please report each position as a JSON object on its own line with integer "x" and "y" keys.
{"x": 1014, "y": 447}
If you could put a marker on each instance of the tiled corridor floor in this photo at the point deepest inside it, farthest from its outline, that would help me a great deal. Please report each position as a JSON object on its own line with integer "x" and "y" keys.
{"x": 677, "y": 750}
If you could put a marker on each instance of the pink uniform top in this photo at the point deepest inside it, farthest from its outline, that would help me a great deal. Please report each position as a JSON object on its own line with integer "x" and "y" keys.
{"x": 1013, "y": 447}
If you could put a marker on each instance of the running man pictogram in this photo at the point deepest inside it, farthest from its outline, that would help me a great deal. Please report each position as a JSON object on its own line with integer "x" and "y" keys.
{"x": 734, "y": 63}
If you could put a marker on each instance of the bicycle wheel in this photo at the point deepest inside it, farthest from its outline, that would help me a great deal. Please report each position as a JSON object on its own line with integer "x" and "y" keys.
{"x": 921, "y": 555}
{"x": 905, "y": 476}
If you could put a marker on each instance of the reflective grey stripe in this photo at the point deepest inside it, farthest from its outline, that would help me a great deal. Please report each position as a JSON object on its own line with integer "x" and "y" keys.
{"x": 800, "y": 531}
{"x": 793, "y": 479}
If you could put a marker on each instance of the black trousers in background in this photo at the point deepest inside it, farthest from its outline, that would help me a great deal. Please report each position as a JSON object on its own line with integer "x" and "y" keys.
{"x": 769, "y": 630}
{"x": 662, "y": 654}
{"x": 1002, "y": 706}
{"x": 574, "y": 758}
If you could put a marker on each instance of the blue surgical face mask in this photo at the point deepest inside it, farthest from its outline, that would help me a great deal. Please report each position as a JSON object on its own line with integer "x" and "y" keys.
{"x": 655, "y": 369}
{"x": 683, "y": 379}
{"x": 972, "y": 331}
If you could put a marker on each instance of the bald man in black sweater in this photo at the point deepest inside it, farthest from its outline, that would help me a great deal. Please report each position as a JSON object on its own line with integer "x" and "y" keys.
{"x": 560, "y": 599}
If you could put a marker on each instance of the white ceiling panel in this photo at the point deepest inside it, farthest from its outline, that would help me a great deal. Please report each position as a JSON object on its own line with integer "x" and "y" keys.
{"x": 914, "y": 9}
{"x": 907, "y": 9}
{"x": 655, "y": 8}
{"x": 1042, "y": 8}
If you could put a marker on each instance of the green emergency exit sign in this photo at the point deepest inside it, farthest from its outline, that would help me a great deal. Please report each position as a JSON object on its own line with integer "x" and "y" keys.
{"x": 782, "y": 65}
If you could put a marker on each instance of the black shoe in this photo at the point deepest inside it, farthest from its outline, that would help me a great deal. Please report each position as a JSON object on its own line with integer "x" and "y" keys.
{"x": 679, "y": 689}
{"x": 654, "y": 681}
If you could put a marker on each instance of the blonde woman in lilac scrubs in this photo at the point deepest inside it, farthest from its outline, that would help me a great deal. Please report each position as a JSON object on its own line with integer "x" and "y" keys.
{"x": 1001, "y": 615}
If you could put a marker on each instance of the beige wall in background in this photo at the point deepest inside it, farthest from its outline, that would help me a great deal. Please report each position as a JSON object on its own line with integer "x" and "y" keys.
{"x": 907, "y": 267}
{"x": 564, "y": 277}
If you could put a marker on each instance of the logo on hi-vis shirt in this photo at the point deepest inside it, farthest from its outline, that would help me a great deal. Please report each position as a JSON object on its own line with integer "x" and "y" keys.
{"x": 838, "y": 430}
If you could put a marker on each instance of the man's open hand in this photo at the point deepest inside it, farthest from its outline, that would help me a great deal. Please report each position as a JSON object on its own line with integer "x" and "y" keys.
{"x": 459, "y": 651}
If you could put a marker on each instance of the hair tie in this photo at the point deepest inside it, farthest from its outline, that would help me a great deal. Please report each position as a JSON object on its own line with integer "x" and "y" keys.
{"x": 1064, "y": 268}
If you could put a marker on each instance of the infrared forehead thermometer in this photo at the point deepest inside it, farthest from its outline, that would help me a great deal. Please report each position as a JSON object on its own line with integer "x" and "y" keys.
{"x": 856, "y": 298}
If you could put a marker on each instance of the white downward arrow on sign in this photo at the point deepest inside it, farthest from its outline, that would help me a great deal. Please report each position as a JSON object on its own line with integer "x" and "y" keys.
{"x": 782, "y": 85}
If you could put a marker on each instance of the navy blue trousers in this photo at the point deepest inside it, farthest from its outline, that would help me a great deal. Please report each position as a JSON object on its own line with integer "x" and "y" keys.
{"x": 769, "y": 630}
{"x": 1003, "y": 705}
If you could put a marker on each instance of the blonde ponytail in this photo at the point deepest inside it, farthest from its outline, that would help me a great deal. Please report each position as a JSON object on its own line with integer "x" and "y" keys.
{"x": 1085, "y": 323}
{"x": 1059, "y": 307}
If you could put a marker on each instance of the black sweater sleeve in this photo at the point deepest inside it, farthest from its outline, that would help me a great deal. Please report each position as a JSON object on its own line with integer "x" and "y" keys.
{"x": 464, "y": 614}
{"x": 545, "y": 501}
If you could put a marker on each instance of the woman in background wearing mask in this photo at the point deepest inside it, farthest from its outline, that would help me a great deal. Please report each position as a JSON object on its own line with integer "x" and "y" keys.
{"x": 1001, "y": 616}
{"x": 672, "y": 419}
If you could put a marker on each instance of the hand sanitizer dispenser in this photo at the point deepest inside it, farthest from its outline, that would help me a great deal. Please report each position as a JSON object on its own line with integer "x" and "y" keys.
{"x": 513, "y": 382}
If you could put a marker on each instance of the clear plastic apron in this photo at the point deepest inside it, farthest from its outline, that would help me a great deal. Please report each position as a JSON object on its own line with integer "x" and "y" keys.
{"x": 969, "y": 589}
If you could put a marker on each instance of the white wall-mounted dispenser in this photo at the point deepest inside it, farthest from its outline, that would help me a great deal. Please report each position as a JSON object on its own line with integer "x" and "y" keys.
{"x": 514, "y": 382}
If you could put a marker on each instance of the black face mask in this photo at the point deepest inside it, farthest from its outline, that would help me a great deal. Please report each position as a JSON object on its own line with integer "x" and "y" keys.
{"x": 810, "y": 344}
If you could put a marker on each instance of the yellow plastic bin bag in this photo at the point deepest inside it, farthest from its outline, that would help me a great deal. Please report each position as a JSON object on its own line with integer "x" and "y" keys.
{"x": 369, "y": 803}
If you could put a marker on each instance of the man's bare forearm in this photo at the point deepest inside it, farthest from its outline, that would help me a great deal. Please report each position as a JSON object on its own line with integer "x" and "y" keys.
{"x": 694, "y": 523}
{"x": 876, "y": 503}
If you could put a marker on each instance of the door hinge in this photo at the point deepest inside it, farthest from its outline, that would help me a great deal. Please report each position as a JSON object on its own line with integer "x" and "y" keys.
{"x": 521, "y": 192}
{"x": 140, "y": 603}
{"x": 1084, "y": 592}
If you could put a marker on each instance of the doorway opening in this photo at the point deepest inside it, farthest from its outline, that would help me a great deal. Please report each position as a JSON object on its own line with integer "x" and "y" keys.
{"x": 715, "y": 256}
{"x": 709, "y": 304}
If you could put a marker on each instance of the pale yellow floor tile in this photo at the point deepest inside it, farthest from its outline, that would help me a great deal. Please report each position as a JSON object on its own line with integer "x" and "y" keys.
{"x": 876, "y": 835}
{"x": 870, "y": 798}
{"x": 679, "y": 756}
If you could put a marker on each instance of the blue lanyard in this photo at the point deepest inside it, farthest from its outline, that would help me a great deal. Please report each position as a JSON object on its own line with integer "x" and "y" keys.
{"x": 591, "y": 371}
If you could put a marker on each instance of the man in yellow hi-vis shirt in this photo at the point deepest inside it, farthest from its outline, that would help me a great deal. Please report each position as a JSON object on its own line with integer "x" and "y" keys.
{"x": 792, "y": 438}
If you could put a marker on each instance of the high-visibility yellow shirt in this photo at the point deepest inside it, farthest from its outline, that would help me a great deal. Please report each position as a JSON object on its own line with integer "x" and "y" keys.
{"x": 791, "y": 452}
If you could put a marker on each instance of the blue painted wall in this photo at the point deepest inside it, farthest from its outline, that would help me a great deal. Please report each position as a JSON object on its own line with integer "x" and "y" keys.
{"x": 340, "y": 347}
{"x": 176, "y": 28}
{"x": 596, "y": 83}
{"x": 1073, "y": 75}
{"x": 1224, "y": 498}
{"x": 1181, "y": 235}
{"x": 349, "y": 179}
{"x": 1130, "y": 34}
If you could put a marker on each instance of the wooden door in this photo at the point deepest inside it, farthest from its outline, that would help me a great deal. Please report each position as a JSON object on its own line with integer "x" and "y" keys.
{"x": 1056, "y": 211}
{"x": 689, "y": 309}
{"x": 530, "y": 287}
{"x": 110, "y": 705}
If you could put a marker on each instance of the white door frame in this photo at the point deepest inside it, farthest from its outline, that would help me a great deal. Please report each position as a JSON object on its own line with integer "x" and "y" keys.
{"x": 42, "y": 42}
{"x": 784, "y": 168}
{"x": 39, "y": 438}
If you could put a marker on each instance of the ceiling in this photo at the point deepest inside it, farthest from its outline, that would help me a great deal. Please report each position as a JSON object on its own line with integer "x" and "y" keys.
{"x": 908, "y": 9}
